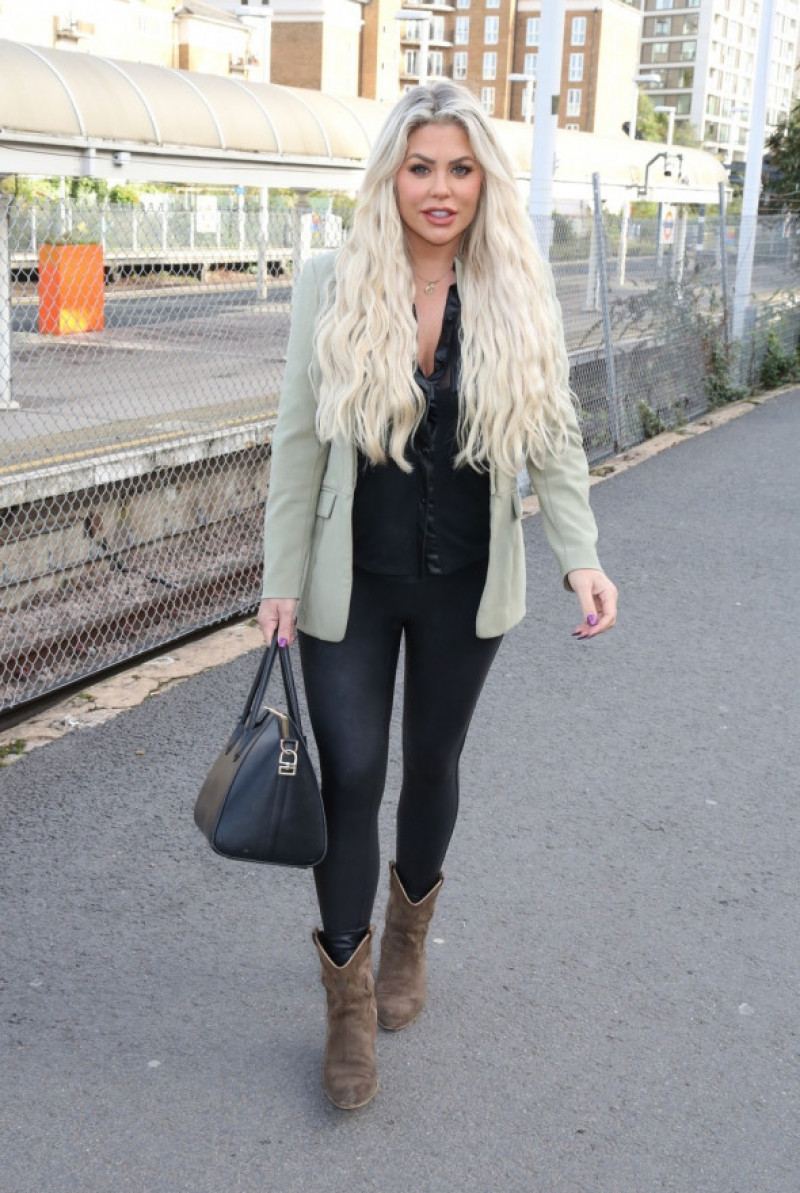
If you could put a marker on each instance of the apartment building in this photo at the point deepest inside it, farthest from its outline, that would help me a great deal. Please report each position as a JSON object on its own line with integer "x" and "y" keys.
{"x": 704, "y": 52}
{"x": 486, "y": 44}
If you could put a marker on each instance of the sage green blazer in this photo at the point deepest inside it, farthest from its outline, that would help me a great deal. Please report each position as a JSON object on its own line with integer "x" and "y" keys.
{"x": 308, "y": 540}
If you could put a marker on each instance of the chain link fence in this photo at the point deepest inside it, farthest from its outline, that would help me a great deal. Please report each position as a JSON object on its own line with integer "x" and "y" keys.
{"x": 141, "y": 354}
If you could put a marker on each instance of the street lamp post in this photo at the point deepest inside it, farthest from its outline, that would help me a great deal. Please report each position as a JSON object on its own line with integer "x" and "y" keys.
{"x": 529, "y": 80}
{"x": 425, "y": 22}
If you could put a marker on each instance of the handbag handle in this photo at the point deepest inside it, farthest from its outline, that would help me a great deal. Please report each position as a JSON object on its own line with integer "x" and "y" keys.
{"x": 258, "y": 691}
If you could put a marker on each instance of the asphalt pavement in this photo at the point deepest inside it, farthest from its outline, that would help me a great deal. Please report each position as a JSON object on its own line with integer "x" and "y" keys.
{"x": 615, "y": 958}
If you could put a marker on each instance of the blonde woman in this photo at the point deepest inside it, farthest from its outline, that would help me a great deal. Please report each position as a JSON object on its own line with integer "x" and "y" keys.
{"x": 425, "y": 366}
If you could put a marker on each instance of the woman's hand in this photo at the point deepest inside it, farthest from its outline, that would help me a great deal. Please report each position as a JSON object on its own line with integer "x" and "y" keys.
{"x": 277, "y": 614}
{"x": 598, "y": 600}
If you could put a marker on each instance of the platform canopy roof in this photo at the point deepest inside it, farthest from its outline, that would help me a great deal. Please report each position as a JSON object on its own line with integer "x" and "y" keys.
{"x": 78, "y": 114}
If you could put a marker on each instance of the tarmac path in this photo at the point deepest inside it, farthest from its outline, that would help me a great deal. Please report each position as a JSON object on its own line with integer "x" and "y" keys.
{"x": 615, "y": 959}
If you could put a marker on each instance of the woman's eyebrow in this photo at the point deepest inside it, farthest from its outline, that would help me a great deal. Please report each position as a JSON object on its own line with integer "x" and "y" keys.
{"x": 431, "y": 161}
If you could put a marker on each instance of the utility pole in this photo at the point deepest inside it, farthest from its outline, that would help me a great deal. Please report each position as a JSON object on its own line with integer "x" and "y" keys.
{"x": 752, "y": 172}
{"x": 545, "y": 122}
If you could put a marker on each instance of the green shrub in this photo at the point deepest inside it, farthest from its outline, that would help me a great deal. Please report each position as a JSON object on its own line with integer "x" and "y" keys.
{"x": 652, "y": 422}
{"x": 778, "y": 366}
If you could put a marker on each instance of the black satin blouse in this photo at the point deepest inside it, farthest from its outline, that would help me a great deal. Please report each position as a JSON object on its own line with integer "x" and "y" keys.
{"x": 435, "y": 519}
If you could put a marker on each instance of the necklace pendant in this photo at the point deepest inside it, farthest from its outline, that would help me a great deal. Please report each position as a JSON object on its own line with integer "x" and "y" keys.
{"x": 430, "y": 287}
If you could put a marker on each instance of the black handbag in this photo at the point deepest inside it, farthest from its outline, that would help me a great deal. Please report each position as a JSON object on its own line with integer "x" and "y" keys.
{"x": 261, "y": 801}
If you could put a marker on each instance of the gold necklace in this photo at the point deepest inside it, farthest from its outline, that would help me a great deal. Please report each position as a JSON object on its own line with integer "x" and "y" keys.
{"x": 431, "y": 286}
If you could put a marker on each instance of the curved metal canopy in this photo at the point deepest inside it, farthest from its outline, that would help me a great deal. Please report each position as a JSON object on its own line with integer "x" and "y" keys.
{"x": 103, "y": 115}
{"x": 78, "y": 114}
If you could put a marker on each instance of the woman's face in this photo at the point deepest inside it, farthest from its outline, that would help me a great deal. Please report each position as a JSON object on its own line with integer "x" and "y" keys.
{"x": 438, "y": 187}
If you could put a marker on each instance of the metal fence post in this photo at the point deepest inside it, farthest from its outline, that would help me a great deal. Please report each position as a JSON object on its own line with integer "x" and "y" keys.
{"x": 262, "y": 240}
{"x": 6, "y": 402}
{"x": 301, "y": 248}
{"x": 622, "y": 254}
{"x": 608, "y": 341}
{"x": 679, "y": 251}
{"x": 592, "y": 279}
{"x": 659, "y": 237}
{"x": 723, "y": 264}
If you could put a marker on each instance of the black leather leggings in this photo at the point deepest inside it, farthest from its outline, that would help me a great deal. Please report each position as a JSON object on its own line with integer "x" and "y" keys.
{"x": 350, "y": 690}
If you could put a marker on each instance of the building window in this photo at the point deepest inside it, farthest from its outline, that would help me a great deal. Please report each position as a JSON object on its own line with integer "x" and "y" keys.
{"x": 491, "y": 31}
{"x": 574, "y": 101}
{"x": 688, "y": 51}
{"x": 459, "y": 65}
{"x": 490, "y": 65}
{"x": 411, "y": 62}
{"x": 437, "y": 29}
{"x": 691, "y": 24}
{"x": 527, "y": 102}
{"x": 532, "y": 31}
{"x": 435, "y": 64}
{"x": 575, "y": 68}
{"x": 578, "y": 31}
{"x": 572, "y": 128}
{"x": 686, "y": 77}
{"x": 660, "y": 51}
{"x": 683, "y": 105}
{"x": 462, "y": 31}
{"x": 531, "y": 65}
{"x": 662, "y": 26}
{"x": 661, "y": 4}
{"x": 462, "y": 3}
{"x": 487, "y": 99}
{"x": 492, "y": 3}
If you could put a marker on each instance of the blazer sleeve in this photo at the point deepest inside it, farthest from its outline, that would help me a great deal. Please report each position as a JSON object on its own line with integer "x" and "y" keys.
{"x": 298, "y": 458}
{"x": 562, "y": 486}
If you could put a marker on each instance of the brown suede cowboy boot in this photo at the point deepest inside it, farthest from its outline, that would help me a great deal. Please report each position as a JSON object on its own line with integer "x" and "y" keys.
{"x": 401, "y": 983}
{"x": 349, "y": 1075}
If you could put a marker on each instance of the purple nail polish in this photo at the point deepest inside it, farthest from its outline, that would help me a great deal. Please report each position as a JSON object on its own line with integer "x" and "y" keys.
{"x": 282, "y": 642}
{"x": 591, "y": 619}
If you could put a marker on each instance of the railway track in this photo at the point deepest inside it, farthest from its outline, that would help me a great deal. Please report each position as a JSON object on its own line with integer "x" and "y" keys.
{"x": 125, "y": 605}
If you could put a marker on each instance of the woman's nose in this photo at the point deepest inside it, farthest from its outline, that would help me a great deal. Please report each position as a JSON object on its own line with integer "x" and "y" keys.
{"x": 441, "y": 183}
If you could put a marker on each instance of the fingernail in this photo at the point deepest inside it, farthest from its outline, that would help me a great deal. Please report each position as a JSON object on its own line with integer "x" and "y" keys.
{"x": 282, "y": 642}
{"x": 591, "y": 619}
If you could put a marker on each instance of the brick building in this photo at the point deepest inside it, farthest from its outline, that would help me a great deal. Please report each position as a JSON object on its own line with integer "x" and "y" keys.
{"x": 483, "y": 42}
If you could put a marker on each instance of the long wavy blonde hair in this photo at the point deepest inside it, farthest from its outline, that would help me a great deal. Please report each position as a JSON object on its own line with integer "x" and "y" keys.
{"x": 514, "y": 387}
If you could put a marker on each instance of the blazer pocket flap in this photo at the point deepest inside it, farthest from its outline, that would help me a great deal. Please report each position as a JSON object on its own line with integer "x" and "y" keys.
{"x": 516, "y": 503}
{"x": 325, "y": 503}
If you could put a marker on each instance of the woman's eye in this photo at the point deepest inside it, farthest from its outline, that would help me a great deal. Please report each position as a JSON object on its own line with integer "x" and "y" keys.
{"x": 462, "y": 171}
{"x": 419, "y": 169}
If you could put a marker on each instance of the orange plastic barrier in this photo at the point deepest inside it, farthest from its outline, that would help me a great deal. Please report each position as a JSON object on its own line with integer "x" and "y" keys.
{"x": 71, "y": 288}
